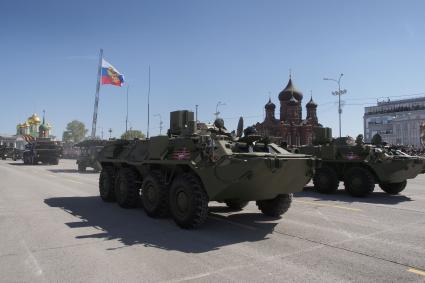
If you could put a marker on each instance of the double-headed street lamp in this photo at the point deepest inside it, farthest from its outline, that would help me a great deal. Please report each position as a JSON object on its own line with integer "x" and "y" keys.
{"x": 339, "y": 92}
{"x": 216, "y": 109}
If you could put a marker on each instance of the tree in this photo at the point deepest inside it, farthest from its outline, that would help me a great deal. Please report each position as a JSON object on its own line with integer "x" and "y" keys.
{"x": 359, "y": 139}
{"x": 376, "y": 139}
{"x": 75, "y": 132}
{"x": 132, "y": 134}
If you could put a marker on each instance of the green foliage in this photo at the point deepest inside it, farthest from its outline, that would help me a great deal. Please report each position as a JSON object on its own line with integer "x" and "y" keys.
{"x": 75, "y": 132}
{"x": 132, "y": 134}
{"x": 377, "y": 139}
{"x": 359, "y": 139}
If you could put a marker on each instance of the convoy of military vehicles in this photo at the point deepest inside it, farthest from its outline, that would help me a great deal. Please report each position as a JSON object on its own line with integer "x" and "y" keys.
{"x": 178, "y": 174}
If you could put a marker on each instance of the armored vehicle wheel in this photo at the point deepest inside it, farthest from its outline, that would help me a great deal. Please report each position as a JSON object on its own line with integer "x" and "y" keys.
{"x": 359, "y": 182}
{"x": 236, "y": 204}
{"x": 188, "y": 201}
{"x": 155, "y": 195}
{"x": 325, "y": 180}
{"x": 275, "y": 207}
{"x": 106, "y": 184}
{"x": 393, "y": 188}
{"x": 127, "y": 189}
{"x": 81, "y": 168}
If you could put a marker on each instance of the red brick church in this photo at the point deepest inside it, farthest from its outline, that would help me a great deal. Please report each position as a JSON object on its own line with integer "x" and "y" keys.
{"x": 290, "y": 127}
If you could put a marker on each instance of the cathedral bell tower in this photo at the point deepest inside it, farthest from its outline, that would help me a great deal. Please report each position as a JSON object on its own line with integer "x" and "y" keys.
{"x": 312, "y": 112}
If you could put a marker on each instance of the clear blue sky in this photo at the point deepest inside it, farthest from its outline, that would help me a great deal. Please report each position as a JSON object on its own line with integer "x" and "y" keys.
{"x": 202, "y": 52}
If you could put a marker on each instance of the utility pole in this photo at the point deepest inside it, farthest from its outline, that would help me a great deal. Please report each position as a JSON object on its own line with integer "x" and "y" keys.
{"x": 149, "y": 94}
{"x": 126, "y": 116}
{"x": 338, "y": 93}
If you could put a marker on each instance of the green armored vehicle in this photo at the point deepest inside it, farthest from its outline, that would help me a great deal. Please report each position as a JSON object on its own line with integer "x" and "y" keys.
{"x": 10, "y": 152}
{"x": 360, "y": 167}
{"x": 197, "y": 163}
{"x": 89, "y": 150}
{"x": 42, "y": 150}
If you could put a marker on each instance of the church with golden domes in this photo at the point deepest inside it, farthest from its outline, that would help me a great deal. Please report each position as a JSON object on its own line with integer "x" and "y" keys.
{"x": 290, "y": 128}
{"x": 34, "y": 127}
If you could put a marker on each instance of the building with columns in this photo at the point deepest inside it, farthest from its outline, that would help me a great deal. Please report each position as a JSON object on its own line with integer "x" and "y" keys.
{"x": 290, "y": 127}
{"x": 398, "y": 122}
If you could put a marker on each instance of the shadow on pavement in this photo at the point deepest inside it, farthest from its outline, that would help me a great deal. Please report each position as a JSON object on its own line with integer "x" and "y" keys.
{"x": 37, "y": 164}
{"x": 133, "y": 227}
{"x": 19, "y": 164}
{"x": 376, "y": 197}
{"x": 72, "y": 171}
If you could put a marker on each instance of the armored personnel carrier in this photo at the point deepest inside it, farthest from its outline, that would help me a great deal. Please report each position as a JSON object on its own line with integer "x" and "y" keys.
{"x": 42, "y": 150}
{"x": 197, "y": 163}
{"x": 361, "y": 166}
{"x": 89, "y": 151}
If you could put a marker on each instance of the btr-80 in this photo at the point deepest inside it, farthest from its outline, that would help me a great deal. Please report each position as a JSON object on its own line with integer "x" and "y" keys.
{"x": 197, "y": 163}
{"x": 361, "y": 166}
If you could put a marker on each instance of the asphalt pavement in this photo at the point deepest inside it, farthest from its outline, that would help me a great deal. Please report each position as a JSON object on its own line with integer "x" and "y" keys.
{"x": 55, "y": 228}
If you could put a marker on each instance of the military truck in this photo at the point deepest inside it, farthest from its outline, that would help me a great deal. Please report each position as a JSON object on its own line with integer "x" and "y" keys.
{"x": 361, "y": 166}
{"x": 42, "y": 150}
{"x": 10, "y": 152}
{"x": 197, "y": 163}
{"x": 89, "y": 151}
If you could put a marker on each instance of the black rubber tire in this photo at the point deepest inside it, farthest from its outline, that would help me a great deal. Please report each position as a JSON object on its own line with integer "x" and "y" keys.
{"x": 188, "y": 190}
{"x": 275, "y": 207}
{"x": 127, "y": 188}
{"x": 107, "y": 184}
{"x": 359, "y": 182}
{"x": 155, "y": 195}
{"x": 236, "y": 204}
{"x": 326, "y": 180}
{"x": 81, "y": 168}
{"x": 393, "y": 188}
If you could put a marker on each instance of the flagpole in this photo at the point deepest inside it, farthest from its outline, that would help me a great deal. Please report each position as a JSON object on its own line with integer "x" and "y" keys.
{"x": 126, "y": 117}
{"x": 96, "y": 100}
{"x": 149, "y": 93}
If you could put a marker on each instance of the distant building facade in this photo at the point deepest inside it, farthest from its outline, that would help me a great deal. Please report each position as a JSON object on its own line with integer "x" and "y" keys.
{"x": 15, "y": 141}
{"x": 397, "y": 122}
{"x": 290, "y": 127}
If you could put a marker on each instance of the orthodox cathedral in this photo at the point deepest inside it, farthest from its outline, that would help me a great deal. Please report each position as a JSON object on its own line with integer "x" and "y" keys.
{"x": 34, "y": 127}
{"x": 290, "y": 128}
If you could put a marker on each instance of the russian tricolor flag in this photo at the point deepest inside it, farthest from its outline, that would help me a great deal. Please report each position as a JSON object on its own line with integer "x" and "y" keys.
{"x": 110, "y": 75}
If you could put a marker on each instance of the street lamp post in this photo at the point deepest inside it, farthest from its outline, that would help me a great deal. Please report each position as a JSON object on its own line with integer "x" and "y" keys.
{"x": 216, "y": 109}
{"x": 339, "y": 93}
{"x": 160, "y": 123}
